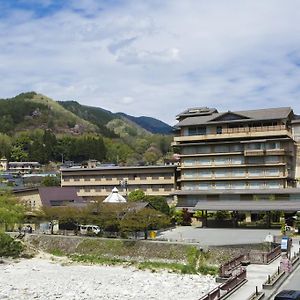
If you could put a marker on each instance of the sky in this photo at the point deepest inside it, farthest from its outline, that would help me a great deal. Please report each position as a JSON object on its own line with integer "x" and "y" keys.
{"x": 152, "y": 57}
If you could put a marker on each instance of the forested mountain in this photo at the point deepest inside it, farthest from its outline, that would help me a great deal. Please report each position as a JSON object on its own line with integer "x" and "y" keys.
{"x": 37, "y": 128}
{"x": 150, "y": 124}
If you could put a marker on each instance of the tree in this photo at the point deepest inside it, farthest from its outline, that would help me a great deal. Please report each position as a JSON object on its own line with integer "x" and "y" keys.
{"x": 159, "y": 203}
{"x": 11, "y": 211}
{"x": 137, "y": 195}
{"x": 18, "y": 154}
{"x": 143, "y": 220}
{"x": 51, "y": 181}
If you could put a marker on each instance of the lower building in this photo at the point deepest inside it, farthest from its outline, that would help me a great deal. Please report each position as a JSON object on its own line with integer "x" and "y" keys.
{"x": 99, "y": 181}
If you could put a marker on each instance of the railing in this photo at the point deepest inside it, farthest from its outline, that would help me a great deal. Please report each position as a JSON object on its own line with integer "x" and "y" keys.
{"x": 226, "y": 287}
{"x": 243, "y": 130}
{"x": 227, "y": 268}
{"x": 273, "y": 254}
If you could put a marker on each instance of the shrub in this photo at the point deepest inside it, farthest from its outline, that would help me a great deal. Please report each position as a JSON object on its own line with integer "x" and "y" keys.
{"x": 9, "y": 247}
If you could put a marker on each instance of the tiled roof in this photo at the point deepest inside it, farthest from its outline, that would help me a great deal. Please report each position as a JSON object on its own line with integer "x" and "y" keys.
{"x": 247, "y": 115}
{"x": 50, "y": 195}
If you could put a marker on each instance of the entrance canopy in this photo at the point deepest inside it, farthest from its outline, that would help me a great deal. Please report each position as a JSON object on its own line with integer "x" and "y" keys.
{"x": 234, "y": 205}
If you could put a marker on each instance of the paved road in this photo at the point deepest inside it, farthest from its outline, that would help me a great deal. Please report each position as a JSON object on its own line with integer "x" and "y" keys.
{"x": 216, "y": 236}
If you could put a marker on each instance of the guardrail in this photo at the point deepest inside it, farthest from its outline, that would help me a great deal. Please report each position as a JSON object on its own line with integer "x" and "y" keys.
{"x": 225, "y": 288}
{"x": 273, "y": 254}
{"x": 227, "y": 268}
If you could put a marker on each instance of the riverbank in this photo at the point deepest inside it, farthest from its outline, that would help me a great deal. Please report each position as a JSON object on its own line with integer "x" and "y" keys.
{"x": 48, "y": 277}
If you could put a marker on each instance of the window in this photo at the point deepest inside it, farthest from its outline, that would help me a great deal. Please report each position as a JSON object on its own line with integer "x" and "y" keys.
{"x": 272, "y": 159}
{"x": 273, "y": 145}
{"x": 219, "y": 130}
{"x": 272, "y": 172}
{"x": 238, "y": 173}
{"x": 197, "y": 130}
{"x": 221, "y": 148}
{"x": 237, "y": 160}
{"x": 255, "y": 172}
{"x": 221, "y": 160}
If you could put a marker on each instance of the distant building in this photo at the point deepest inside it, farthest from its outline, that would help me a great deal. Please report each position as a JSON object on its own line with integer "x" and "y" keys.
{"x": 23, "y": 167}
{"x": 99, "y": 181}
{"x": 35, "y": 198}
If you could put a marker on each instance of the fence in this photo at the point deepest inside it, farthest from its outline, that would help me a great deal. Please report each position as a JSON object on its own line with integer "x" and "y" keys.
{"x": 227, "y": 268}
{"x": 223, "y": 289}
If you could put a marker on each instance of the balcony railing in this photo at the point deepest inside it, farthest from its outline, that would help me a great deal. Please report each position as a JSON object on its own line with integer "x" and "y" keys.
{"x": 239, "y": 130}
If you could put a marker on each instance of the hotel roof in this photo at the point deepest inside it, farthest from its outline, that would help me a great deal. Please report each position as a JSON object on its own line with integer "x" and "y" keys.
{"x": 240, "y": 116}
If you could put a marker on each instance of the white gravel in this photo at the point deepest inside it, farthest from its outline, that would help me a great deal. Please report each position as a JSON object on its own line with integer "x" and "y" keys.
{"x": 40, "y": 278}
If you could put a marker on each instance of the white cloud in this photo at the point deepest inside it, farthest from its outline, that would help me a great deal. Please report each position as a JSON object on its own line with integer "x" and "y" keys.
{"x": 156, "y": 58}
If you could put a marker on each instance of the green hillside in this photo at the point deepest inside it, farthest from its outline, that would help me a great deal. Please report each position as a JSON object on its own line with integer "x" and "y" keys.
{"x": 94, "y": 115}
{"x": 29, "y": 111}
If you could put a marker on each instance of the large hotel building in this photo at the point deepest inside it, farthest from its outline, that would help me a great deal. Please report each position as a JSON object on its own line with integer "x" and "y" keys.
{"x": 229, "y": 159}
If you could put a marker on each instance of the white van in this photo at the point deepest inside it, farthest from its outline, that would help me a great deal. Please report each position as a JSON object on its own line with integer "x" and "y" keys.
{"x": 89, "y": 229}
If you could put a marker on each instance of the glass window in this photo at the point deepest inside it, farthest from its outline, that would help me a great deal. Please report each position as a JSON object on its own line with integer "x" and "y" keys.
{"x": 273, "y": 145}
{"x": 205, "y": 161}
{"x": 238, "y": 185}
{"x": 221, "y": 148}
{"x": 272, "y": 172}
{"x": 205, "y": 173}
{"x": 272, "y": 159}
{"x": 255, "y": 172}
{"x": 238, "y": 173}
{"x": 255, "y": 184}
{"x": 221, "y": 160}
{"x": 222, "y": 173}
{"x": 236, "y": 148}
{"x": 219, "y": 130}
{"x": 237, "y": 160}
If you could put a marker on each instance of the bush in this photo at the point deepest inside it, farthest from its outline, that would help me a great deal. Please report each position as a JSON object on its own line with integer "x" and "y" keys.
{"x": 9, "y": 247}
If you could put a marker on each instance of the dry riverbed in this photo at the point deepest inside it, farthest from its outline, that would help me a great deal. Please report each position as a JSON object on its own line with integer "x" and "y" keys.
{"x": 48, "y": 278}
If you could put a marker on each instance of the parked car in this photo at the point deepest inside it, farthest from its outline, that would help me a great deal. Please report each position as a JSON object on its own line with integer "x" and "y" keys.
{"x": 288, "y": 295}
{"x": 89, "y": 229}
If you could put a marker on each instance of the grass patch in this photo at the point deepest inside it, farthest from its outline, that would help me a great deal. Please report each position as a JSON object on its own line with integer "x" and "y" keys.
{"x": 57, "y": 252}
{"x": 96, "y": 259}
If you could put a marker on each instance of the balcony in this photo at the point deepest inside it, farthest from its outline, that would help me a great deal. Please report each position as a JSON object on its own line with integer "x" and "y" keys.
{"x": 240, "y": 132}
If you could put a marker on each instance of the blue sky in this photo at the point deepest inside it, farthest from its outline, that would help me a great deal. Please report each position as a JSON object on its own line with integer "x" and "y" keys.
{"x": 153, "y": 58}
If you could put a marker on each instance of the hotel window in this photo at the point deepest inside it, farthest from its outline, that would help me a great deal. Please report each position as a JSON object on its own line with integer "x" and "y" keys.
{"x": 256, "y": 146}
{"x": 272, "y": 159}
{"x": 203, "y": 149}
{"x": 197, "y": 130}
{"x": 256, "y": 184}
{"x": 238, "y": 185}
{"x": 236, "y": 148}
{"x": 255, "y": 172}
{"x": 273, "y": 145}
{"x": 221, "y": 148}
{"x": 237, "y": 160}
{"x": 188, "y": 162}
{"x": 274, "y": 184}
{"x": 203, "y": 186}
{"x": 221, "y": 160}
{"x": 222, "y": 185}
{"x": 222, "y": 173}
{"x": 219, "y": 130}
{"x": 189, "y": 173}
{"x": 255, "y": 160}
{"x": 238, "y": 173}
{"x": 205, "y": 161}
{"x": 205, "y": 173}
{"x": 272, "y": 172}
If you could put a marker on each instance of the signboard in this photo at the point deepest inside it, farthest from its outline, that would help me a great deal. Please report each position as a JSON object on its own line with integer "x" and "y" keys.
{"x": 284, "y": 243}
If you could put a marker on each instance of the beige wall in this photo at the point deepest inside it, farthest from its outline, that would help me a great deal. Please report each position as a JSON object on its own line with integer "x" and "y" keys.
{"x": 31, "y": 199}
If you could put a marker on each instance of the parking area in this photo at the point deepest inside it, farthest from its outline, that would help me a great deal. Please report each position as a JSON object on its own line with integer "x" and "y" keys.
{"x": 216, "y": 236}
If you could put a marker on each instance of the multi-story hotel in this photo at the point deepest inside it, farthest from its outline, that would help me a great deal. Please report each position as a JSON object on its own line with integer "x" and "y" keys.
{"x": 242, "y": 155}
{"x": 99, "y": 181}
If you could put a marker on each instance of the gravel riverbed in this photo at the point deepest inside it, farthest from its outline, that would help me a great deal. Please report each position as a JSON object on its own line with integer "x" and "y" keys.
{"x": 43, "y": 278}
